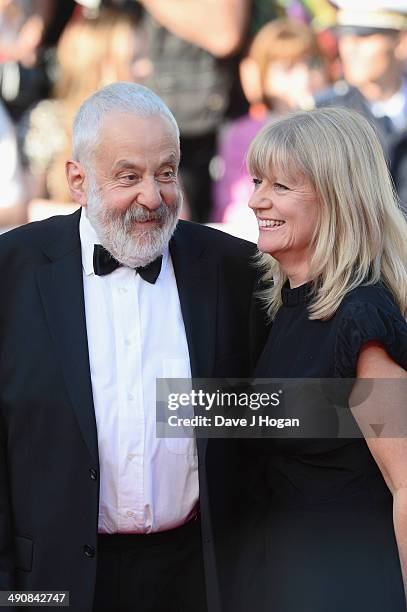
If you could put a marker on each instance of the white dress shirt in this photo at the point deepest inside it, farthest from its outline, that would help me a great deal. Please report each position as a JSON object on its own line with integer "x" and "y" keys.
{"x": 395, "y": 108}
{"x": 136, "y": 334}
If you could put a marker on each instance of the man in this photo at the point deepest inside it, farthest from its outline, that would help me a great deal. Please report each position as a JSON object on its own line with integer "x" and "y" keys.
{"x": 371, "y": 47}
{"x": 95, "y": 306}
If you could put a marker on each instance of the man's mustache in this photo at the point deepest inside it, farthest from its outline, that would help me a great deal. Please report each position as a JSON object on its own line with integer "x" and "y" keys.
{"x": 136, "y": 213}
{"x": 140, "y": 214}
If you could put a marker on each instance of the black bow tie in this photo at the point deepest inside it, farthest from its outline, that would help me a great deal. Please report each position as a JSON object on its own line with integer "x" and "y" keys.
{"x": 104, "y": 263}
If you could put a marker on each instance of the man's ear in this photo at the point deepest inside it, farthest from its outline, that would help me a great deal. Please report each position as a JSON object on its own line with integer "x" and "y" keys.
{"x": 75, "y": 175}
{"x": 401, "y": 48}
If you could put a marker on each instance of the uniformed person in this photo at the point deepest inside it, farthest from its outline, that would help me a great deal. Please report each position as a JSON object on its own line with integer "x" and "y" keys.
{"x": 372, "y": 47}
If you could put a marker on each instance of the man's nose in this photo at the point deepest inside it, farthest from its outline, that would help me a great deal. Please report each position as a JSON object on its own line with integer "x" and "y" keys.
{"x": 149, "y": 194}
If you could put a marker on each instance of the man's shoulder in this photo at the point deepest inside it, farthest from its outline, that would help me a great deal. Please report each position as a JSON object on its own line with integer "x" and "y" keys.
{"x": 342, "y": 94}
{"x": 217, "y": 241}
{"x": 36, "y": 231}
{"x": 35, "y": 236}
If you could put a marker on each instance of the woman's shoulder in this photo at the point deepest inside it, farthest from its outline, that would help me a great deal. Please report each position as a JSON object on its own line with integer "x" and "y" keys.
{"x": 368, "y": 313}
{"x": 373, "y": 296}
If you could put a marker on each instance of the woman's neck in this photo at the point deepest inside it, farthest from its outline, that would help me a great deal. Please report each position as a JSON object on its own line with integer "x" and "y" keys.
{"x": 298, "y": 273}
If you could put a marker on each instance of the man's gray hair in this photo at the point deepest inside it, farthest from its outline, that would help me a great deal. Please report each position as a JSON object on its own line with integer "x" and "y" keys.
{"x": 118, "y": 97}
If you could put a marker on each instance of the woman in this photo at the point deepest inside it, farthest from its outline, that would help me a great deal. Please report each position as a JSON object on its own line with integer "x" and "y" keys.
{"x": 336, "y": 532}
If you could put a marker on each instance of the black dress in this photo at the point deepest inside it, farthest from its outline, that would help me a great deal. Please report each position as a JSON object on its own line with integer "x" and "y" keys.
{"x": 330, "y": 543}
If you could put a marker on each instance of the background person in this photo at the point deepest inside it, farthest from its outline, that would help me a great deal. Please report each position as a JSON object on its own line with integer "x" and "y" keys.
{"x": 372, "y": 42}
{"x": 284, "y": 70}
{"x": 13, "y": 198}
{"x": 194, "y": 49}
{"x": 91, "y": 53}
{"x": 23, "y": 26}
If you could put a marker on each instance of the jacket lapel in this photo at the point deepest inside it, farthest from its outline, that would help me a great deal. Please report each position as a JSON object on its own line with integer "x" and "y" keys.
{"x": 61, "y": 288}
{"x": 196, "y": 274}
{"x": 197, "y": 281}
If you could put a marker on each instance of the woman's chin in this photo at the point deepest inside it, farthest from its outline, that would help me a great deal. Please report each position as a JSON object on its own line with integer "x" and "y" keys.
{"x": 266, "y": 246}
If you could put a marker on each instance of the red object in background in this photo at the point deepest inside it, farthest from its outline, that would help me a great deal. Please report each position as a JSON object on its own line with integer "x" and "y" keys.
{"x": 328, "y": 43}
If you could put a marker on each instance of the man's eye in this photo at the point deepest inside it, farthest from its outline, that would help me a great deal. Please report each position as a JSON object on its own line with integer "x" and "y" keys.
{"x": 130, "y": 178}
{"x": 168, "y": 174}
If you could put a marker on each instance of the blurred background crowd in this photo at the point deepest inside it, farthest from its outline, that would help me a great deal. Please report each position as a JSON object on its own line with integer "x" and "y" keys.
{"x": 224, "y": 67}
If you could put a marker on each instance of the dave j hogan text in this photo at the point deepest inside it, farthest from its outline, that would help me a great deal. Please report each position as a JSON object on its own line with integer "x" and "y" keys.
{"x": 256, "y": 420}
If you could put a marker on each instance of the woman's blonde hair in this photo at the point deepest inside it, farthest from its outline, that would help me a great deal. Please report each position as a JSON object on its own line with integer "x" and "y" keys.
{"x": 361, "y": 233}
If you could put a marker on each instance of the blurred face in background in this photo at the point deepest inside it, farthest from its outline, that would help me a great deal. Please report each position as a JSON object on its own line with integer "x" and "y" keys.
{"x": 128, "y": 55}
{"x": 369, "y": 58}
{"x": 291, "y": 86}
{"x": 111, "y": 48}
{"x": 140, "y": 64}
{"x": 285, "y": 67}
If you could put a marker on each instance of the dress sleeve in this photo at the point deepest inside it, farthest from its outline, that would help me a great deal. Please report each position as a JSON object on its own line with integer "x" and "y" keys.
{"x": 366, "y": 322}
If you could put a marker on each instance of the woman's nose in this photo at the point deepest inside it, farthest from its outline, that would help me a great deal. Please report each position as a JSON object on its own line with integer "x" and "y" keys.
{"x": 258, "y": 200}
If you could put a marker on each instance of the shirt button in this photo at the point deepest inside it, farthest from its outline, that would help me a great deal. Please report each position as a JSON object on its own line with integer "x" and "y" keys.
{"x": 127, "y": 342}
{"x": 131, "y": 456}
{"x": 130, "y": 397}
{"x": 88, "y": 551}
{"x": 130, "y": 513}
{"x": 93, "y": 474}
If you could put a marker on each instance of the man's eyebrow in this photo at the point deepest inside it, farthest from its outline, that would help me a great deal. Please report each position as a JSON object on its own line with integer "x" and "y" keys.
{"x": 172, "y": 158}
{"x": 124, "y": 163}
{"x": 121, "y": 164}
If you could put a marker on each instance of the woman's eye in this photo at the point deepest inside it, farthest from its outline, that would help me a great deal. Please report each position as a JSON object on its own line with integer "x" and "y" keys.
{"x": 256, "y": 182}
{"x": 280, "y": 187}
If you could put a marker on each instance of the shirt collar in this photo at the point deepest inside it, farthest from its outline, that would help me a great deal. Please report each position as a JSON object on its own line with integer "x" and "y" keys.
{"x": 395, "y": 108}
{"x": 89, "y": 238}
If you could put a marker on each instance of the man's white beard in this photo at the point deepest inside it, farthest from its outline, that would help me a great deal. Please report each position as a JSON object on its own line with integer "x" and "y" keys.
{"x": 119, "y": 234}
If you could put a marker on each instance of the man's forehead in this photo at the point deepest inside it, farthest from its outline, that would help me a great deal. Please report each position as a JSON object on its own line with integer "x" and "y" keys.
{"x": 126, "y": 137}
{"x": 119, "y": 123}
{"x": 166, "y": 156}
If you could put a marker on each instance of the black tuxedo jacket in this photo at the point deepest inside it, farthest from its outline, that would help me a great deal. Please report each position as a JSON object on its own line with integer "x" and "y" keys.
{"x": 49, "y": 469}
